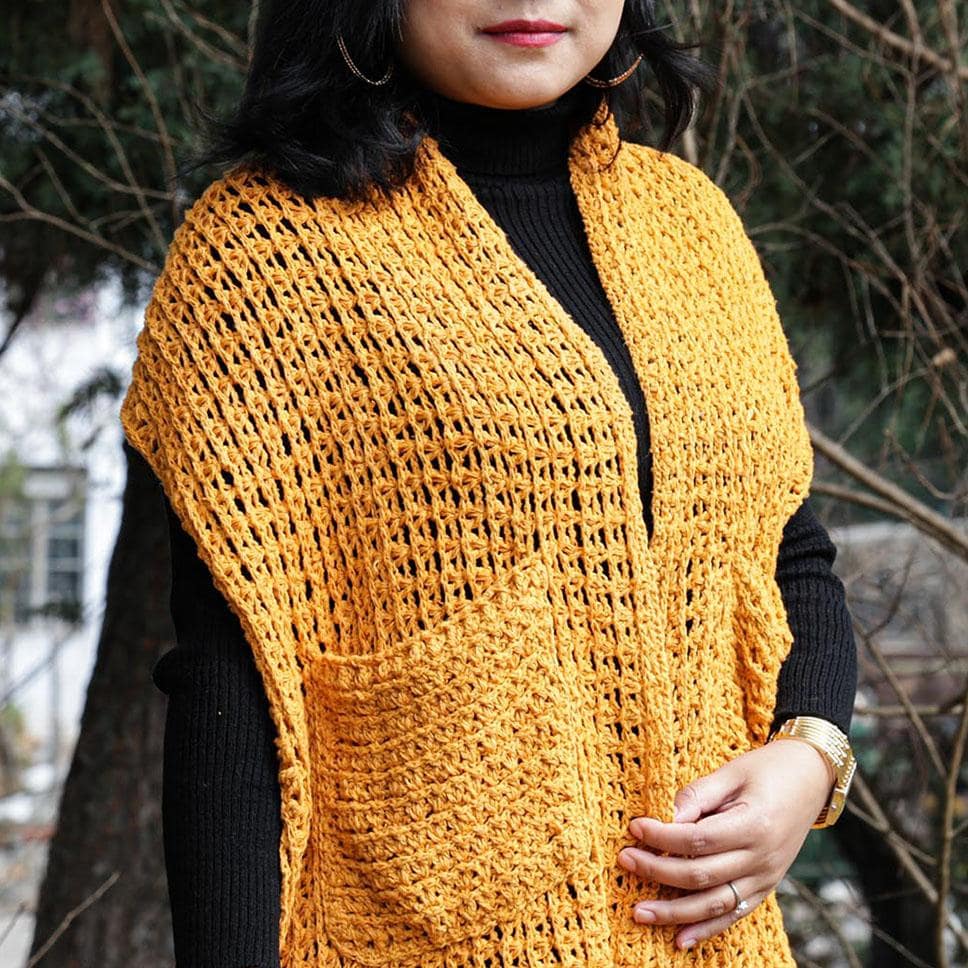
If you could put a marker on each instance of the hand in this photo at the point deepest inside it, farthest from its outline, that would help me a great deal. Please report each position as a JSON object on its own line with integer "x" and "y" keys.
{"x": 744, "y": 822}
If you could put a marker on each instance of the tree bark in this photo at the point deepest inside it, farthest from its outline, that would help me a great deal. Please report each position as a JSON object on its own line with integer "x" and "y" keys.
{"x": 104, "y": 899}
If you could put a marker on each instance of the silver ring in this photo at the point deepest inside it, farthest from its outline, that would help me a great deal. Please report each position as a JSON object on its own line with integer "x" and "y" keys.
{"x": 741, "y": 905}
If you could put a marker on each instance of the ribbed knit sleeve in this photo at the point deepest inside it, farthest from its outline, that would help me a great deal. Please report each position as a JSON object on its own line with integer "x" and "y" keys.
{"x": 819, "y": 675}
{"x": 221, "y": 798}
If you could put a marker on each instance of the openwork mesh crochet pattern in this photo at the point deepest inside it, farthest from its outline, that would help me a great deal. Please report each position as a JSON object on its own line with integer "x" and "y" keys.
{"x": 413, "y": 476}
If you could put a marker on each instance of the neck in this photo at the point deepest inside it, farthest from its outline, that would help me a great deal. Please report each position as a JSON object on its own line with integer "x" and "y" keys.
{"x": 504, "y": 142}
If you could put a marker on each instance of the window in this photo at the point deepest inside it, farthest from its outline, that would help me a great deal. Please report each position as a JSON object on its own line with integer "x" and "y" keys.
{"x": 42, "y": 546}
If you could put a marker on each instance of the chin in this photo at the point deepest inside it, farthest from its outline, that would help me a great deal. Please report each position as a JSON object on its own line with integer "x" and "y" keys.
{"x": 519, "y": 100}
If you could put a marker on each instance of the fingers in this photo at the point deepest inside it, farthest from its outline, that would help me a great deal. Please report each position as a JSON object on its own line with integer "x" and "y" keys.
{"x": 701, "y": 910}
{"x": 729, "y": 830}
{"x": 698, "y": 929}
{"x": 710, "y": 793}
{"x": 693, "y": 873}
{"x": 713, "y": 907}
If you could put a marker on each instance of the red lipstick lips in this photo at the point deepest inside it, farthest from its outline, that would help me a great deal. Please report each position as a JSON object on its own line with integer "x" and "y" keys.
{"x": 524, "y": 27}
{"x": 526, "y": 33}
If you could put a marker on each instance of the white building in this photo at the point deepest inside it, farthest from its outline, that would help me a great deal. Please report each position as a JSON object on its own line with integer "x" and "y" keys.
{"x": 61, "y": 484}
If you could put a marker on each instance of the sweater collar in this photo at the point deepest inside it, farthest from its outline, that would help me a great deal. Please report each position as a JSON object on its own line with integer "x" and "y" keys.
{"x": 500, "y": 142}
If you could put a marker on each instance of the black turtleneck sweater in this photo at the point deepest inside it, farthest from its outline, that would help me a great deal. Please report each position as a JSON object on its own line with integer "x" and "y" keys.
{"x": 221, "y": 803}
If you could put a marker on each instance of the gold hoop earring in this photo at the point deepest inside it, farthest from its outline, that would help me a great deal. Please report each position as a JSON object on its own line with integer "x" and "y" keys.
{"x": 355, "y": 70}
{"x": 615, "y": 81}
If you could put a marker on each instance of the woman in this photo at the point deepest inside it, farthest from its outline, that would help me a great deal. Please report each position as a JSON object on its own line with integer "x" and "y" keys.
{"x": 460, "y": 619}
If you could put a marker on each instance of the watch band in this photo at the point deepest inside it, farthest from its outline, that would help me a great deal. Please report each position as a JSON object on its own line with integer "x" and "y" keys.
{"x": 835, "y": 747}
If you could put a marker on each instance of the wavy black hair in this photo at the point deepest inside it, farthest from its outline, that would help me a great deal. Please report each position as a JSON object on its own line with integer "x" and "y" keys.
{"x": 308, "y": 119}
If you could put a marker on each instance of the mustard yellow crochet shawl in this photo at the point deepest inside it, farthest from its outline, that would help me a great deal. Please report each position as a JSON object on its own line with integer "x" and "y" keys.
{"x": 413, "y": 476}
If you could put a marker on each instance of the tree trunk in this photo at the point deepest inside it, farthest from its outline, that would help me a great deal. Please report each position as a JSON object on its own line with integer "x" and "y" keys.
{"x": 104, "y": 898}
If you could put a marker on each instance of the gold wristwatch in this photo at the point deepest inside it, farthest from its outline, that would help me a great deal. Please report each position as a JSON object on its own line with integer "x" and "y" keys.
{"x": 835, "y": 747}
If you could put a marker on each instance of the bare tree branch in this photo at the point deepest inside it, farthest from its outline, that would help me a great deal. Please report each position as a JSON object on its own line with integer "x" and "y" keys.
{"x": 905, "y": 506}
{"x": 149, "y": 95}
{"x": 894, "y": 40}
{"x": 947, "y": 834}
{"x": 28, "y": 211}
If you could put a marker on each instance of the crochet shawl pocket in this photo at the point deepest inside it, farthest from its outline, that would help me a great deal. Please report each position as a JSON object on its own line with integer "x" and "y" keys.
{"x": 450, "y": 776}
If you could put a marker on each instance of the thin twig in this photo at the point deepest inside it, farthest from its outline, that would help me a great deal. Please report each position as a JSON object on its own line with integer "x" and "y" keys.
{"x": 167, "y": 155}
{"x": 896, "y": 40}
{"x": 69, "y": 917}
{"x": 947, "y": 835}
{"x": 944, "y": 531}
{"x": 209, "y": 50}
{"x": 898, "y": 845}
{"x": 891, "y": 711}
{"x": 885, "y": 667}
{"x": 821, "y": 909}
{"x": 28, "y": 211}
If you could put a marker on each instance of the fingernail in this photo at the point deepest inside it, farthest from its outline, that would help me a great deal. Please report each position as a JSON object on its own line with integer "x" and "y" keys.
{"x": 644, "y": 914}
{"x": 688, "y": 943}
{"x": 635, "y": 829}
{"x": 625, "y": 859}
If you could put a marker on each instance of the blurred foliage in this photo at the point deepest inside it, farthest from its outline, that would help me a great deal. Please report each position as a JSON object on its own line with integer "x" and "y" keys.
{"x": 848, "y": 163}
{"x": 95, "y": 121}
